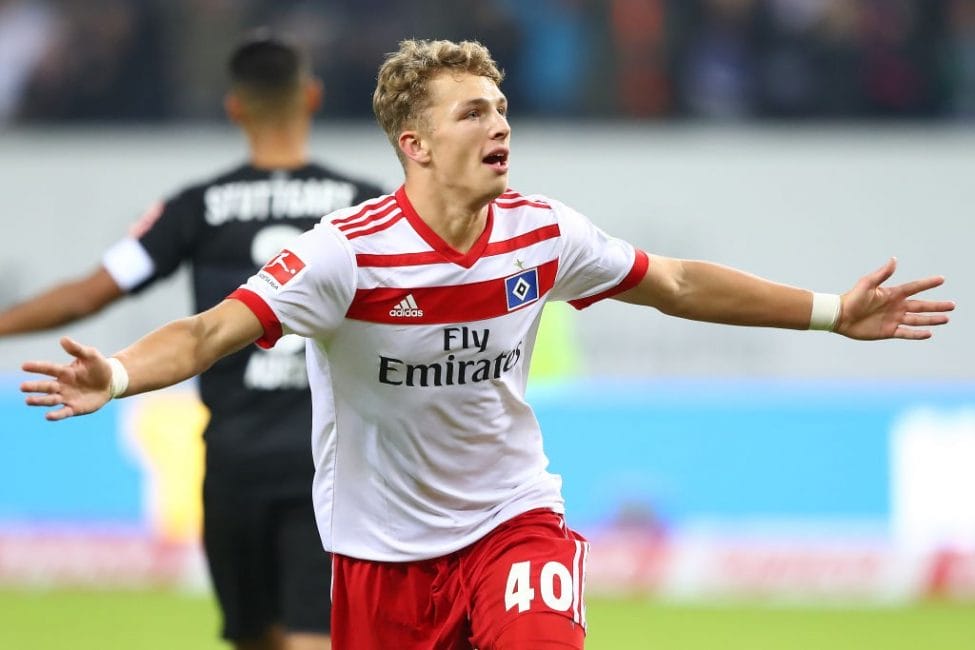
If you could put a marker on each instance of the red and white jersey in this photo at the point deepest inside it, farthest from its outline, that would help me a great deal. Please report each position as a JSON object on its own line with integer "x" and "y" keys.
{"x": 418, "y": 357}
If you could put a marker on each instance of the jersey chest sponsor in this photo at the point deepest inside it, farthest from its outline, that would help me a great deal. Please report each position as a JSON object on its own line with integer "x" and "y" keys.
{"x": 468, "y": 356}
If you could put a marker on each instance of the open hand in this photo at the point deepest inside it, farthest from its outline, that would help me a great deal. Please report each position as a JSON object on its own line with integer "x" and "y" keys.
{"x": 870, "y": 311}
{"x": 79, "y": 387}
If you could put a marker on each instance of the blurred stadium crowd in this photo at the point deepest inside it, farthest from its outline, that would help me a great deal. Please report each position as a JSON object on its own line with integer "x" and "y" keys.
{"x": 161, "y": 60}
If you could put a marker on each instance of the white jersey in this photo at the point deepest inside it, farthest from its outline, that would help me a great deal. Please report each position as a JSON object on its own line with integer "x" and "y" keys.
{"x": 418, "y": 357}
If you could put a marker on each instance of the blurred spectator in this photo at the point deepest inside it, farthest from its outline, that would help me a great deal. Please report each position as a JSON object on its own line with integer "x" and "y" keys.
{"x": 720, "y": 63}
{"x": 900, "y": 58}
{"x": 105, "y": 65}
{"x": 962, "y": 56}
{"x": 198, "y": 35}
{"x": 839, "y": 60}
{"x": 551, "y": 72}
{"x": 642, "y": 82}
{"x": 790, "y": 80}
{"x": 27, "y": 30}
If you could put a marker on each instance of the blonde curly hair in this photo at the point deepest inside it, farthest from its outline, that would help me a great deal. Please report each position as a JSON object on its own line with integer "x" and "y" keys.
{"x": 402, "y": 93}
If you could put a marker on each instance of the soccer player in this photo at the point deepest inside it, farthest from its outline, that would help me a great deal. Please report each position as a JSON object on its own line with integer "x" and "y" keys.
{"x": 265, "y": 557}
{"x": 420, "y": 310}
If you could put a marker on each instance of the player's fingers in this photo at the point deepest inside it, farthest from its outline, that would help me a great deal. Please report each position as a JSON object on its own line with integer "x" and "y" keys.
{"x": 76, "y": 349}
{"x": 40, "y": 386}
{"x": 882, "y": 274}
{"x": 43, "y": 400}
{"x": 60, "y": 414}
{"x": 911, "y": 334}
{"x": 923, "y": 320}
{"x": 918, "y": 306}
{"x": 42, "y": 367}
{"x": 917, "y": 286}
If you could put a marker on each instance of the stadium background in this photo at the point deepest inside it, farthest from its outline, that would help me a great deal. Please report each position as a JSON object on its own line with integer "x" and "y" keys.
{"x": 803, "y": 140}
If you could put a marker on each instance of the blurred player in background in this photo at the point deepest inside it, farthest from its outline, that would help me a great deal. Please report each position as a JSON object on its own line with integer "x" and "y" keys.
{"x": 265, "y": 556}
{"x": 421, "y": 310}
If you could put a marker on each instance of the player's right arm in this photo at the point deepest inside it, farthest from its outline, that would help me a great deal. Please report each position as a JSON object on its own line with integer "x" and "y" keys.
{"x": 62, "y": 304}
{"x": 175, "y": 352}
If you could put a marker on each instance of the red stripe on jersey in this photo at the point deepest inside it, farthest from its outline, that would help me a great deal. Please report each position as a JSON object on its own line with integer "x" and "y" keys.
{"x": 368, "y": 231}
{"x": 402, "y": 259}
{"x": 368, "y": 220}
{"x": 632, "y": 279}
{"x": 434, "y": 257}
{"x": 270, "y": 322}
{"x": 523, "y": 241}
{"x": 384, "y": 203}
{"x": 454, "y": 304}
{"x": 520, "y": 202}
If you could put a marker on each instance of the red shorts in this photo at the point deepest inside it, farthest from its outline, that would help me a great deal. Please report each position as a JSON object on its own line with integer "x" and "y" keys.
{"x": 519, "y": 587}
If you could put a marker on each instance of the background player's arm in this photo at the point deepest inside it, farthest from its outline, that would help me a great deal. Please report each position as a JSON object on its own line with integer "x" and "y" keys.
{"x": 710, "y": 292}
{"x": 175, "y": 352}
{"x": 61, "y": 304}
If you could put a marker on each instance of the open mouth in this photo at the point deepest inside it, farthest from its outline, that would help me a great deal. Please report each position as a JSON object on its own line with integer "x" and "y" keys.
{"x": 497, "y": 160}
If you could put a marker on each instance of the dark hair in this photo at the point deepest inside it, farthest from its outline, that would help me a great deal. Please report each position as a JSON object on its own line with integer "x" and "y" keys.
{"x": 267, "y": 65}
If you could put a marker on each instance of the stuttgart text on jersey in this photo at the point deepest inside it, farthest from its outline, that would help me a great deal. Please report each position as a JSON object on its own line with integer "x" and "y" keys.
{"x": 285, "y": 198}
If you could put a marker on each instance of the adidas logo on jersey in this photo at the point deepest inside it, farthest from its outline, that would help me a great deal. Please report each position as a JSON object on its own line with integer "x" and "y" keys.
{"x": 407, "y": 308}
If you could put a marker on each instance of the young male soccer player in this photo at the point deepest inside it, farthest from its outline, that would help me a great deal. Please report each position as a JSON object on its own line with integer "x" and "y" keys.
{"x": 420, "y": 310}
{"x": 265, "y": 556}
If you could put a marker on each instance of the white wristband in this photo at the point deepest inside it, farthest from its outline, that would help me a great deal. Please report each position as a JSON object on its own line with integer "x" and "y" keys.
{"x": 120, "y": 378}
{"x": 825, "y": 312}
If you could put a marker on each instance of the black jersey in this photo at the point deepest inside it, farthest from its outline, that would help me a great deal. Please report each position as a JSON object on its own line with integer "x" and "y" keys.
{"x": 227, "y": 227}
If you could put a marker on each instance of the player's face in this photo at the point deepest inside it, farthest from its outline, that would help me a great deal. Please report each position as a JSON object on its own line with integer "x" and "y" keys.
{"x": 468, "y": 134}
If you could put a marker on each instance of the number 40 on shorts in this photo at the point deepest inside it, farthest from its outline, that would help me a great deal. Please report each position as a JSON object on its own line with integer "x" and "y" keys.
{"x": 559, "y": 589}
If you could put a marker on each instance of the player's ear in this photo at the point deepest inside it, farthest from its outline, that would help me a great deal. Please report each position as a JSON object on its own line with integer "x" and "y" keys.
{"x": 314, "y": 94}
{"x": 233, "y": 107}
{"x": 414, "y": 147}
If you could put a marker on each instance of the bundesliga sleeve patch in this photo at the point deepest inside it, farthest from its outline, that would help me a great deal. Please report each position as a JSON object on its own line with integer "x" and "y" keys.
{"x": 282, "y": 269}
{"x": 521, "y": 289}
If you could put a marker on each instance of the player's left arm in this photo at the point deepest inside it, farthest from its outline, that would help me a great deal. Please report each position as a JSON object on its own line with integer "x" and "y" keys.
{"x": 714, "y": 293}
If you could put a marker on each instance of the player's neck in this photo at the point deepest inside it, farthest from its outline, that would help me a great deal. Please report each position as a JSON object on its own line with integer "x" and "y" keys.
{"x": 457, "y": 219}
{"x": 278, "y": 148}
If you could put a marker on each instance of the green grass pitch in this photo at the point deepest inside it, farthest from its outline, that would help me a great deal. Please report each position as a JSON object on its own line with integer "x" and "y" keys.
{"x": 140, "y": 620}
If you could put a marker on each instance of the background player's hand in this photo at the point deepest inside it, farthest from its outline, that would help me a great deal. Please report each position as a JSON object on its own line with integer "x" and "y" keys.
{"x": 871, "y": 311}
{"x": 79, "y": 387}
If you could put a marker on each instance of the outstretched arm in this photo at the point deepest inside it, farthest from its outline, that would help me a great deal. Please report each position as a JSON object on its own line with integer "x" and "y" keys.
{"x": 177, "y": 351}
{"x": 710, "y": 292}
{"x": 61, "y": 304}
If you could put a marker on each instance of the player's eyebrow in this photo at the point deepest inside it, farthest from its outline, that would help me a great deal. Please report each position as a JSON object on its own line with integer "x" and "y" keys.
{"x": 474, "y": 102}
{"x": 481, "y": 102}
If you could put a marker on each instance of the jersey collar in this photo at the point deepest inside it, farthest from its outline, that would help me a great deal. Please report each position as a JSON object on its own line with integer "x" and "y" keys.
{"x": 467, "y": 259}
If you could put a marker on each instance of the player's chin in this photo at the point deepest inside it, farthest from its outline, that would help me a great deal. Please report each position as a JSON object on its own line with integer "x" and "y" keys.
{"x": 497, "y": 184}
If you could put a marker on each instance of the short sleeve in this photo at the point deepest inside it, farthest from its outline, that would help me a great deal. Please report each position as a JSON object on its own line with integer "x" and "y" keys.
{"x": 154, "y": 247}
{"x": 129, "y": 264}
{"x": 592, "y": 264}
{"x": 169, "y": 232}
{"x": 305, "y": 289}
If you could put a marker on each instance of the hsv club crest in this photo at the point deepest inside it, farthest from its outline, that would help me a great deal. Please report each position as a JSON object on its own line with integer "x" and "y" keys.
{"x": 521, "y": 289}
